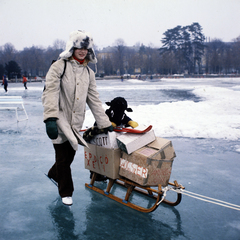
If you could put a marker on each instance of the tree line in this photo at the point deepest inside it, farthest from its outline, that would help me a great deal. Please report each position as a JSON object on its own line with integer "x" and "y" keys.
{"x": 185, "y": 50}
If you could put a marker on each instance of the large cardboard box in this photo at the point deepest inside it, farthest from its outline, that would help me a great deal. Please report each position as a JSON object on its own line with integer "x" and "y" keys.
{"x": 130, "y": 142}
{"x": 150, "y": 165}
{"x": 104, "y": 161}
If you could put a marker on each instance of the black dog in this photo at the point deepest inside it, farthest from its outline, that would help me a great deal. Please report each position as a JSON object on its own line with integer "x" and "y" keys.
{"x": 116, "y": 113}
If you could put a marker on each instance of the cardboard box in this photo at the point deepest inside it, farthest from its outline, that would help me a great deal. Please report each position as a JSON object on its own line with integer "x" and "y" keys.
{"x": 104, "y": 161}
{"x": 108, "y": 140}
{"x": 151, "y": 165}
{"x": 130, "y": 142}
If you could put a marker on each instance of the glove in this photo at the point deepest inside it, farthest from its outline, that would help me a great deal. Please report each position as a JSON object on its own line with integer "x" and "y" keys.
{"x": 51, "y": 128}
{"x": 132, "y": 124}
{"x": 108, "y": 129}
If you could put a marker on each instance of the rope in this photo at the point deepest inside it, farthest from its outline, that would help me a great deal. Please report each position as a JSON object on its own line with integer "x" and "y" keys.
{"x": 205, "y": 199}
{"x": 164, "y": 190}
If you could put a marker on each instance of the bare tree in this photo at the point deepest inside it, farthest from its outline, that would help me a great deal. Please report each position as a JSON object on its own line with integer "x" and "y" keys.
{"x": 119, "y": 55}
{"x": 236, "y": 54}
{"x": 32, "y": 61}
{"x": 8, "y": 53}
{"x": 216, "y": 53}
{"x": 59, "y": 44}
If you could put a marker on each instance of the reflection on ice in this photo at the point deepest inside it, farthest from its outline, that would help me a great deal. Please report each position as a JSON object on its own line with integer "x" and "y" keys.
{"x": 63, "y": 220}
{"x": 116, "y": 224}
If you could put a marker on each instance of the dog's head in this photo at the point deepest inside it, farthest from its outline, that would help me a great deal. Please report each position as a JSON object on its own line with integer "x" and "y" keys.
{"x": 119, "y": 104}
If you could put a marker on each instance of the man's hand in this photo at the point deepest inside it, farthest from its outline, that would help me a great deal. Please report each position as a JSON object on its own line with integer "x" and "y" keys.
{"x": 51, "y": 128}
{"x": 108, "y": 129}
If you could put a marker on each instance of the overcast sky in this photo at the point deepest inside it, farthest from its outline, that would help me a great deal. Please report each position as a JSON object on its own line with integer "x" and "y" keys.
{"x": 25, "y": 23}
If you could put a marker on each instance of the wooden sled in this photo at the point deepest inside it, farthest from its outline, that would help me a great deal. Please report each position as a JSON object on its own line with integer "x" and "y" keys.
{"x": 131, "y": 187}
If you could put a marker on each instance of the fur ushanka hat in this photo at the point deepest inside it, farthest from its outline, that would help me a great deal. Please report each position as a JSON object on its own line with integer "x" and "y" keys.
{"x": 80, "y": 39}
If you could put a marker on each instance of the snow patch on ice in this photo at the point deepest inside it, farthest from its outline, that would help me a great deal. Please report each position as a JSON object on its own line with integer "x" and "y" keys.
{"x": 237, "y": 147}
{"x": 216, "y": 116}
{"x": 135, "y": 81}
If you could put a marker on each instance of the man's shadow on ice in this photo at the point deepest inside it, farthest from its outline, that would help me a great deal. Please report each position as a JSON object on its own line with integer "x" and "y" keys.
{"x": 105, "y": 217}
{"x": 63, "y": 220}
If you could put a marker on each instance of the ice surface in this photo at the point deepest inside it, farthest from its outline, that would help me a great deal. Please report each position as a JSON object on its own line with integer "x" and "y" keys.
{"x": 200, "y": 116}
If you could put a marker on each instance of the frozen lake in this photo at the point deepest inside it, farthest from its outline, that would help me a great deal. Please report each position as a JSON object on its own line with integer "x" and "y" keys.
{"x": 200, "y": 116}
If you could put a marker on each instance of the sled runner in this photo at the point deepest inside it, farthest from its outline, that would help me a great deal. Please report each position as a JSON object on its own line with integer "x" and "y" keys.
{"x": 131, "y": 187}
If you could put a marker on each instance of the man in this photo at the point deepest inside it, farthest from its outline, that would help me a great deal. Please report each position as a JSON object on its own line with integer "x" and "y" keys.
{"x": 64, "y": 102}
{"x": 5, "y": 83}
{"x": 24, "y": 81}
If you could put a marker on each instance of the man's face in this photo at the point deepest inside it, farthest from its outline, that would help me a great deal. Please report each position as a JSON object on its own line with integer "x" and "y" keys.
{"x": 80, "y": 53}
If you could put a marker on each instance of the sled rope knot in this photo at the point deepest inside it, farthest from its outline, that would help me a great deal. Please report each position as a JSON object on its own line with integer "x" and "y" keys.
{"x": 205, "y": 198}
{"x": 164, "y": 190}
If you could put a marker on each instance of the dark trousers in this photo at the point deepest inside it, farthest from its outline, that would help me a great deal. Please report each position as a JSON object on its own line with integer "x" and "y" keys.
{"x": 61, "y": 171}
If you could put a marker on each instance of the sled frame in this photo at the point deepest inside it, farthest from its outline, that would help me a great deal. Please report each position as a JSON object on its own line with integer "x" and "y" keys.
{"x": 131, "y": 187}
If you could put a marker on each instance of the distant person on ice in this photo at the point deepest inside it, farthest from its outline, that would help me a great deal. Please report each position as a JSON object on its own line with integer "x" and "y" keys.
{"x": 64, "y": 101}
{"x": 5, "y": 82}
{"x": 24, "y": 81}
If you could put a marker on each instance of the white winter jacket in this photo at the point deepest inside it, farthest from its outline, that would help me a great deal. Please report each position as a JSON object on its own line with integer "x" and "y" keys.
{"x": 66, "y": 98}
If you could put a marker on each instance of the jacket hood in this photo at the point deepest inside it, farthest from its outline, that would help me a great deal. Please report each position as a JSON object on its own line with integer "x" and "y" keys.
{"x": 79, "y": 39}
